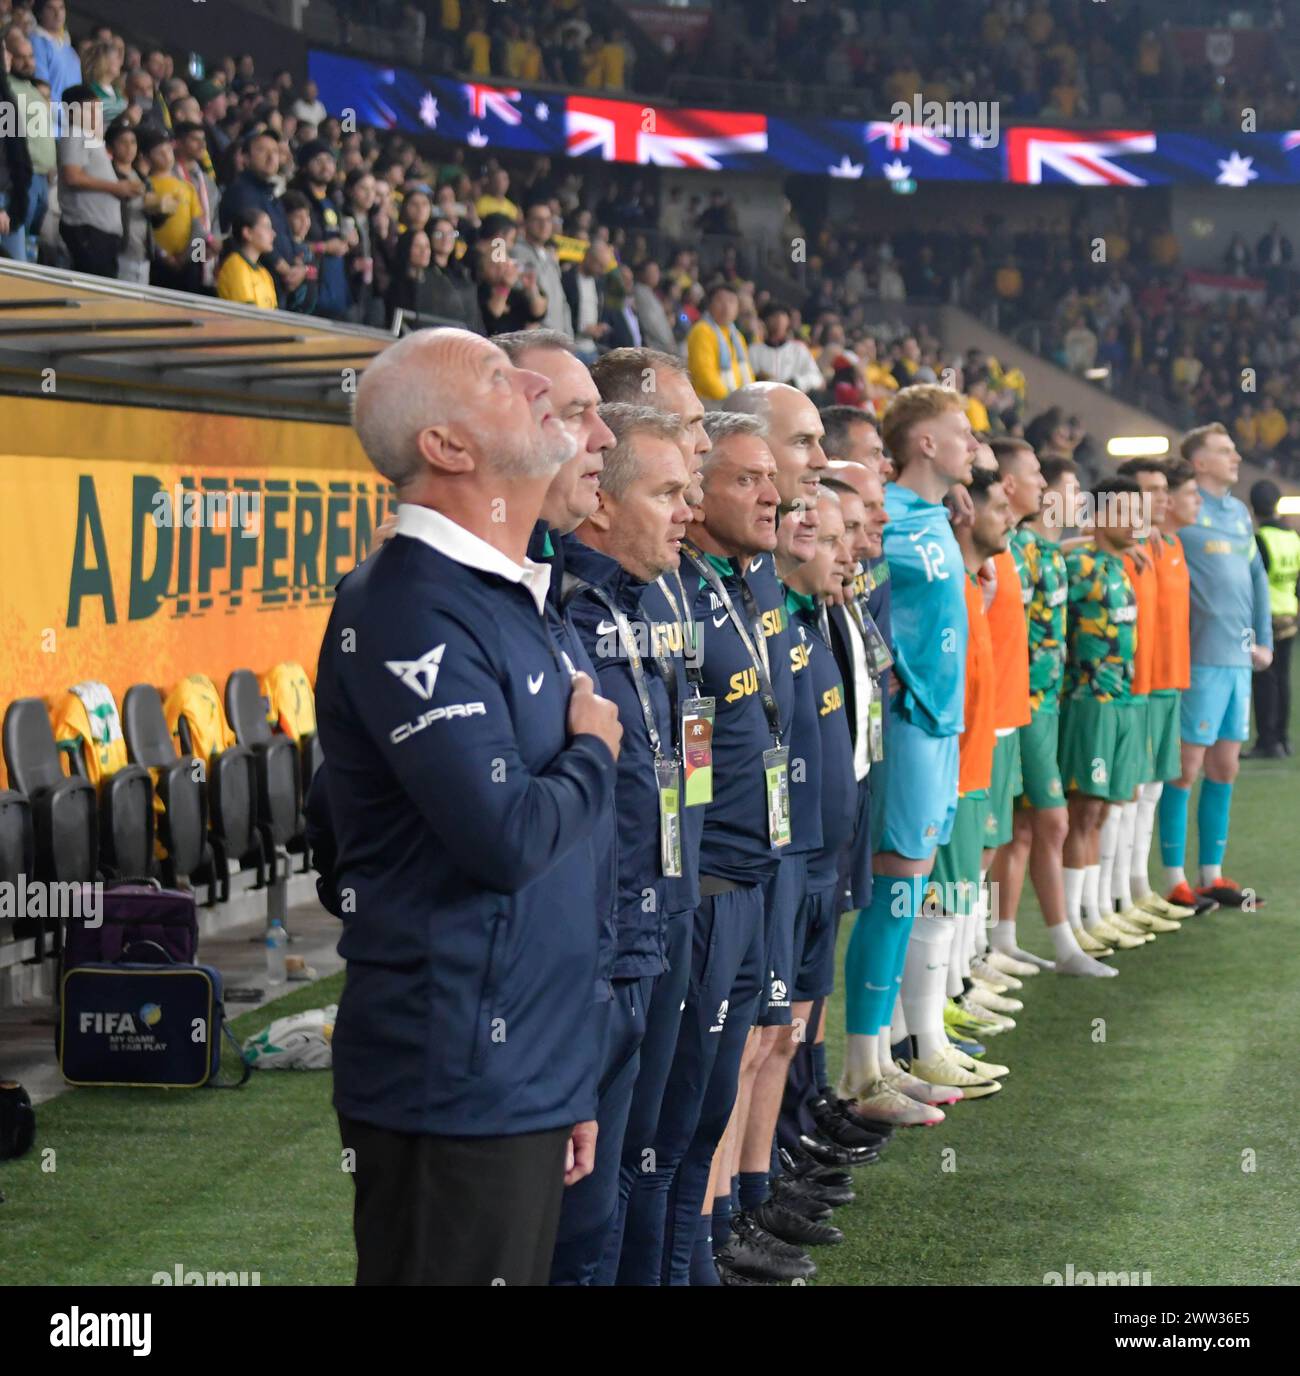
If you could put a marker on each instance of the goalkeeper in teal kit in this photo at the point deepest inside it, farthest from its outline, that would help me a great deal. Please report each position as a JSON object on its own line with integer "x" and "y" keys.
{"x": 914, "y": 787}
{"x": 1231, "y": 636}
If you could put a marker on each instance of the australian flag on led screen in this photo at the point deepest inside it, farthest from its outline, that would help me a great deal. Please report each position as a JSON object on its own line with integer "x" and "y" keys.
{"x": 589, "y": 125}
{"x": 460, "y": 111}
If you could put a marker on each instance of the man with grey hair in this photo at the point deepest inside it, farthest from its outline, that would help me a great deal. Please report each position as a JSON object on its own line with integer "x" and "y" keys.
{"x": 746, "y": 668}
{"x": 468, "y": 770}
{"x": 633, "y": 535}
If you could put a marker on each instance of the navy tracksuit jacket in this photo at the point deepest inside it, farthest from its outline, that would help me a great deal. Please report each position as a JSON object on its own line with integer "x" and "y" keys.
{"x": 463, "y": 815}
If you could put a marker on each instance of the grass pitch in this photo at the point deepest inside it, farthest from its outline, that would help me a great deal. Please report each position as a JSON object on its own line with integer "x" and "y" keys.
{"x": 1148, "y": 1124}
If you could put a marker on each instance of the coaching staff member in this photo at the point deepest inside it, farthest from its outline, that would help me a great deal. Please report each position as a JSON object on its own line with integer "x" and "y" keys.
{"x": 467, "y": 770}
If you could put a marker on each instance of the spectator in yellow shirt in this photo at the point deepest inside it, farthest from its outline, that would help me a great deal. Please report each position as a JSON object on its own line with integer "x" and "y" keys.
{"x": 523, "y": 56}
{"x": 176, "y": 263}
{"x": 1164, "y": 248}
{"x": 1271, "y": 425}
{"x": 977, "y": 390}
{"x": 1148, "y": 55}
{"x": 613, "y": 62}
{"x": 1008, "y": 281}
{"x": 451, "y": 16}
{"x": 1245, "y": 429}
{"x": 494, "y": 200}
{"x": 1038, "y": 27}
{"x": 903, "y": 82}
{"x": 478, "y": 50}
{"x": 242, "y": 278}
{"x": 715, "y": 349}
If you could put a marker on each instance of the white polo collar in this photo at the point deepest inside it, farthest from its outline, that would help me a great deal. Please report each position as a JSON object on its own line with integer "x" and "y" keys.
{"x": 443, "y": 534}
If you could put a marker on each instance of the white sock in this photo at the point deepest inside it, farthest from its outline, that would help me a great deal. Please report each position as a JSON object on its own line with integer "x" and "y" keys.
{"x": 1091, "y": 894}
{"x": 1109, "y": 842}
{"x": 1211, "y": 874}
{"x": 885, "y": 1055}
{"x": 897, "y": 1022}
{"x": 1064, "y": 943}
{"x": 1140, "y": 869}
{"x": 1174, "y": 875}
{"x": 1121, "y": 883}
{"x": 1074, "y": 897}
{"x": 953, "y": 985}
{"x": 861, "y": 1061}
{"x": 925, "y": 978}
{"x": 971, "y": 948}
{"x": 1002, "y": 938}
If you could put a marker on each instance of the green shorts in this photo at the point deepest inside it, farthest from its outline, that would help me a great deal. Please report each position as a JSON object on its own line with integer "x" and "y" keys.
{"x": 1038, "y": 767}
{"x": 1132, "y": 763}
{"x": 1146, "y": 762}
{"x": 1163, "y": 707}
{"x": 1096, "y": 752}
{"x": 1003, "y": 787}
{"x": 954, "y": 881}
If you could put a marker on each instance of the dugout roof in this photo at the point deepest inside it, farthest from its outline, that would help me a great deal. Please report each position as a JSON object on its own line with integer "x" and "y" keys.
{"x": 115, "y": 341}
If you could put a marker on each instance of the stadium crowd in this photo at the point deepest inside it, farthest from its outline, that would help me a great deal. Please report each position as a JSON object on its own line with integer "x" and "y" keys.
{"x": 718, "y": 680}
{"x": 1037, "y": 61}
{"x": 1190, "y": 345}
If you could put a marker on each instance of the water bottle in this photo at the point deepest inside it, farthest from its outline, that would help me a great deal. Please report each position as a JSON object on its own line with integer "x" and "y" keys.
{"x": 276, "y": 940}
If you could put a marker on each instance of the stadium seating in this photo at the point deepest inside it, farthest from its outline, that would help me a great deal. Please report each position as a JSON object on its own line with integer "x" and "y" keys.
{"x": 275, "y": 759}
{"x": 17, "y": 842}
{"x": 183, "y": 821}
{"x": 64, "y": 810}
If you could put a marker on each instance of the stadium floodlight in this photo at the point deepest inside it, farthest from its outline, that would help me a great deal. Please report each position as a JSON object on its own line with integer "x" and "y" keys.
{"x": 1288, "y": 506}
{"x": 1138, "y": 446}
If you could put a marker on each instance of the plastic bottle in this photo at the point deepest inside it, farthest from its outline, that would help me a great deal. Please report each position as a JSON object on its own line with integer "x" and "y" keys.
{"x": 276, "y": 940}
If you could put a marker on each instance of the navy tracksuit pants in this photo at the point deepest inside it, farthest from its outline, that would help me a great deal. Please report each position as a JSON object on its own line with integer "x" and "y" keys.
{"x": 663, "y": 1018}
{"x": 728, "y": 974}
{"x": 591, "y": 1207}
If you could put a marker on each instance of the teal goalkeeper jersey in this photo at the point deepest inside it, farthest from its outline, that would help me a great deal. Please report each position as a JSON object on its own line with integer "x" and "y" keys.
{"x": 928, "y": 611}
{"x": 1229, "y": 587}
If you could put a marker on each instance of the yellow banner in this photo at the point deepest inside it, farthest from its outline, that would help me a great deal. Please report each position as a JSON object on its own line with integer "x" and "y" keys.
{"x": 138, "y": 545}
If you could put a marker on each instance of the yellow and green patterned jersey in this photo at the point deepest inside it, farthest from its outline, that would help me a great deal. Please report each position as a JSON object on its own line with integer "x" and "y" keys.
{"x": 1101, "y": 629}
{"x": 1044, "y": 572}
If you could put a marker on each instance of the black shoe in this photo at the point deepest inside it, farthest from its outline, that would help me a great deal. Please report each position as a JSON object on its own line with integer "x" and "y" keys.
{"x": 728, "y": 1275}
{"x": 832, "y": 1154}
{"x": 784, "y": 1223}
{"x": 833, "y": 1122}
{"x": 827, "y": 1196}
{"x": 802, "y": 1198}
{"x": 753, "y": 1252}
{"x": 801, "y": 1166}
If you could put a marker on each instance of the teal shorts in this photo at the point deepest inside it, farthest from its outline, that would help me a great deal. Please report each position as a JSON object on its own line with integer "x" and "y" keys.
{"x": 1038, "y": 765}
{"x": 1003, "y": 787}
{"x": 913, "y": 790}
{"x": 1217, "y": 705}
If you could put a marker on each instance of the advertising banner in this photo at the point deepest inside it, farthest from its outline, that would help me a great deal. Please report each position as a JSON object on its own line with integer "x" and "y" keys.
{"x": 140, "y": 545}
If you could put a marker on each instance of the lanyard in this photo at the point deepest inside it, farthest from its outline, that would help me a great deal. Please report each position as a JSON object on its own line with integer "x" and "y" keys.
{"x": 824, "y": 624}
{"x": 686, "y": 629}
{"x": 628, "y": 637}
{"x": 719, "y": 590}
